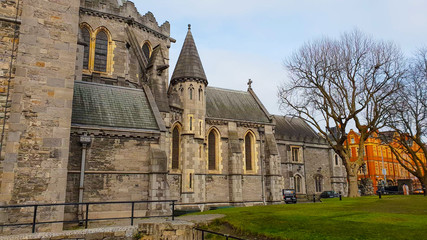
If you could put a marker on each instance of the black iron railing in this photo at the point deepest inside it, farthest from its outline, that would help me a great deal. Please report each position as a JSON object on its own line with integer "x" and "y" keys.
{"x": 203, "y": 231}
{"x": 86, "y": 219}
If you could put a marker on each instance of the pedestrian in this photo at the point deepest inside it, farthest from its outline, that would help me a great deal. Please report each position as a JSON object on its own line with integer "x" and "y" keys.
{"x": 405, "y": 189}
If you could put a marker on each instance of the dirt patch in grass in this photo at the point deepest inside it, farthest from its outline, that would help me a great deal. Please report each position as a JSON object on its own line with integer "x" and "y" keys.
{"x": 224, "y": 227}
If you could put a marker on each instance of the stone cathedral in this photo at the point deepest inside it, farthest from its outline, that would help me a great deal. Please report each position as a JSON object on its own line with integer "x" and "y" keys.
{"x": 90, "y": 112}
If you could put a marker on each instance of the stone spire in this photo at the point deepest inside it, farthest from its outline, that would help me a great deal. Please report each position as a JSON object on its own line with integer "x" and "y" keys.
{"x": 189, "y": 66}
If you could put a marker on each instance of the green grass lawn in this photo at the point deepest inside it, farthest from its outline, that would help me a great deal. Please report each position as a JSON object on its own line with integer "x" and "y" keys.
{"x": 392, "y": 217}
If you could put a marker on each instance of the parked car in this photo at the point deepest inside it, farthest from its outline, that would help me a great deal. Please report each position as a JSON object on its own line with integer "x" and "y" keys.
{"x": 391, "y": 190}
{"x": 329, "y": 194}
{"x": 418, "y": 191}
{"x": 289, "y": 196}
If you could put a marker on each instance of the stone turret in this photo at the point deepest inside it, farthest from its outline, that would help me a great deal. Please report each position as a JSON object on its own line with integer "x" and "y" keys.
{"x": 189, "y": 80}
{"x": 187, "y": 87}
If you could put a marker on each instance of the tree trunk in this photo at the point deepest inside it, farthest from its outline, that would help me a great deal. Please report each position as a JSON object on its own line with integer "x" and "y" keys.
{"x": 424, "y": 184}
{"x": 353, "y": 188}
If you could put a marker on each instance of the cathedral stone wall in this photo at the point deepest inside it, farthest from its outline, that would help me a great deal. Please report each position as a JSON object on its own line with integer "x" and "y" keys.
{"x": 36, "y": 154}
{"x": 252, "y": 189}
{"x": 116, "y": 169}
{"x": 9, "y": 32}
{"x": 317, "y": 162}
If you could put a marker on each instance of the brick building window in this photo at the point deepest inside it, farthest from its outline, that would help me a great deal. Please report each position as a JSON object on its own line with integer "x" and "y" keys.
{"x": 101, "y": 52}
{"x": 175, "y": 147}
{"x": 336, "y": 160}
{"x": 249, "y": 150}
{"x": 377, "y": 169}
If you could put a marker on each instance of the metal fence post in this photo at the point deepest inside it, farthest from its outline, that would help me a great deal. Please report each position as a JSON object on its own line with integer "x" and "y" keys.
{"x": 173, "y": 210}
{"x": 131, "y": 218}
{"x": 34, "y": 218}
{"x": 87, "y": 214}
{"x": 203, "y": 235}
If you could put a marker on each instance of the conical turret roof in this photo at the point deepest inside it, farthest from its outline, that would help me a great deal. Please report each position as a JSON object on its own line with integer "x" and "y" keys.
{"x": 189, "y": 66}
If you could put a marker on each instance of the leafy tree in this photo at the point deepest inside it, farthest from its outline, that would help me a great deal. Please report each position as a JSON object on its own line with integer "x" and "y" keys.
{"x": 335, "y": 84}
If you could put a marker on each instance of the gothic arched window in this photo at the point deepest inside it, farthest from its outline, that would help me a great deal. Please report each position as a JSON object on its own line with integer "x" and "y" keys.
{"x": 298, "y": 183}
{"x": 86, "y": 41}
{"x": 190, "y": 91}
{"x": 318, "y": 182}
{"x": 249, "y": 150}
{"x": 175, "y": 147}
{"x": 212, "y": 148}
{"x": 146, "y": 49}
{"x": 200, "y": 94}
{"x": 101, "y": 52}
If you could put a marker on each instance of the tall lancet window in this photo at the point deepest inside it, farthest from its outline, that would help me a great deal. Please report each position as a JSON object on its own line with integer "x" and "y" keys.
{"x": 101, "y": 52}
{"x": 249, "y": 151}
{"x": 212, "y": 150}
{"x": 86, "y": 41}
{"x": 175, "y": 147}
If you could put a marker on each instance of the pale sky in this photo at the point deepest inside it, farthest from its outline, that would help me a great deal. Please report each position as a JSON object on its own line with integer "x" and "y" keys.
{"x": 238, "y": 40}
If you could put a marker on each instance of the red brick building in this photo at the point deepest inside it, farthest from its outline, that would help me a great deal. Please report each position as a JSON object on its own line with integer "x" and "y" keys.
{"x": 381, "y": 164}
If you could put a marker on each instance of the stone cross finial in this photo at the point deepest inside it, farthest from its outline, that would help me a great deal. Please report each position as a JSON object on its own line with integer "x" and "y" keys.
{"x": 189, "y": 26}
{"x": 250, "y": 83}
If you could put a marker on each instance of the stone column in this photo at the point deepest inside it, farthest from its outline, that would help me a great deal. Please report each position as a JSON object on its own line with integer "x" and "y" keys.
{"x": 158, "y": 189}
{"x": 235, "y": 164}
{"x": 273, "y": 174}
{"x": 37, "y": 147}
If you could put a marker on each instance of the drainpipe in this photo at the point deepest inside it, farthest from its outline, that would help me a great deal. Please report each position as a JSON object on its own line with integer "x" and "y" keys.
{"x": 262, "y": 151}
{"x": 85, "y": 140}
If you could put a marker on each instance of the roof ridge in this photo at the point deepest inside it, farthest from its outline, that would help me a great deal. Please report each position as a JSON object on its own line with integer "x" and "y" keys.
{"x": 108, "y": 86}
{"x": 227, "y": 89}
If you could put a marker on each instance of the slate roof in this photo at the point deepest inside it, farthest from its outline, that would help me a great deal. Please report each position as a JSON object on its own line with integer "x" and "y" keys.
{"x": 386, "y": 136}
{"x": 189, "y": 65}
{"x": 295, "y": 129}
{"x": 232, "y": 104}
{"x": 111, "y": 106}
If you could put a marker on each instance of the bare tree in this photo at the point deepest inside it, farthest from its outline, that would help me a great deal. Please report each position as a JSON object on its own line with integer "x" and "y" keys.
{"x": 335, "y": 84}
{"x": 408, "y": 119}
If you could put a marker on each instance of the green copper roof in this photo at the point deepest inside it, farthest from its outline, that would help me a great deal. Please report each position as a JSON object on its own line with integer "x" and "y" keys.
{"x": 235, "y": 105}
{"x": 105, "y": 105}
